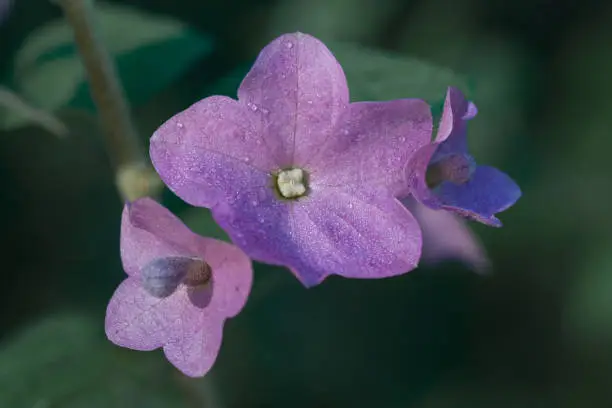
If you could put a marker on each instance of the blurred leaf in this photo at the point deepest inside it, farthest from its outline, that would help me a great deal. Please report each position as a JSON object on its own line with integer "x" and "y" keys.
{"x": 380, "y": 337}
{"x": 589, "y": 308}
{"x": 15, "y": 113}
{"x": 150, "y": 52}
{"x": 459, "y": 391}
{"x": 500, "y": 65}
{"x": 356, "y": 20}
{"x": 200, "y": 221}
{"x": 375, "y": 75}
{"x": 65, "y": 361}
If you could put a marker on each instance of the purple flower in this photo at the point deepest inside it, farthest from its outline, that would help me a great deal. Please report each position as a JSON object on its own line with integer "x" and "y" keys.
{"x": 294, "y": 173}
{"x": 444, "y": 176}
{"x": 180, "y": 289}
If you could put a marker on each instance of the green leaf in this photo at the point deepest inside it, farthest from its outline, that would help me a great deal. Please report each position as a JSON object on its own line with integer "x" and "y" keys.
{"x": 588, "y": 317}
{"x": 200, "y": 221}
{"x": 65, "y": 361}
{"x": 16, "y": 112}
{"x": 150, "y": 53}
{"x": 375, "y": 75}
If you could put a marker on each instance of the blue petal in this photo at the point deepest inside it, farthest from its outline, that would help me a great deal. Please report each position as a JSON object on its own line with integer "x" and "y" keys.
{"x": 488, "y": 192}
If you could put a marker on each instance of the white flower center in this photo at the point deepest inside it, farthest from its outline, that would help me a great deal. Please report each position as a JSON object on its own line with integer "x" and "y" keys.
{"x": 291, "y": 183}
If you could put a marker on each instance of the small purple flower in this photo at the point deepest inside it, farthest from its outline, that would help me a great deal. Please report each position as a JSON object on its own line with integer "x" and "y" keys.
{"x": 294, "y": 173}
{"x": 180, "y": 290}
{"x": 444, "y": 176}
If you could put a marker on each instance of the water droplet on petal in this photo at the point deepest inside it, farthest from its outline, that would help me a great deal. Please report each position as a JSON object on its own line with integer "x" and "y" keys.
{"x": 350, "y": 205}
{"x": 309, "y": 102}
{"x": 179, "y": 125}
{"x": 289, "y": 44}
{"x": 252, "y": 106}
{"x": 402, "y": 139}
{"x": 261, "y": 220}
{"x": 247, "y": 159}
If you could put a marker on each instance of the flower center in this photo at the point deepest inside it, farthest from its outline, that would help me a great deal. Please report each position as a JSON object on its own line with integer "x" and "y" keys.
{"x": 291, "y": 183}
{"x": 456, "y": 168}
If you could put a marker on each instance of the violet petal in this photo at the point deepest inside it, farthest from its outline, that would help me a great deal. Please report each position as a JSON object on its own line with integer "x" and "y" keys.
{"x": 488, "y": 192}
{"x": 300, "y": 91}
{"x": 373, "y": 143}
{"x": 333, "y": 231}
{"x": 211, "y": 149}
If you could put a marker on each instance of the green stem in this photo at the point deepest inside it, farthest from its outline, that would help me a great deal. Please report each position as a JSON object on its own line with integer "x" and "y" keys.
{"x": 134, "y": 176}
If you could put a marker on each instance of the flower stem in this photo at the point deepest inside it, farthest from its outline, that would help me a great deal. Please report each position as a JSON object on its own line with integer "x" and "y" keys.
{"x": 134, "y": 176}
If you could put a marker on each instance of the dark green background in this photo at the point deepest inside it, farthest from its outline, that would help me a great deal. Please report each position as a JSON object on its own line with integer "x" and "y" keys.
{"x": 536, "y": 332}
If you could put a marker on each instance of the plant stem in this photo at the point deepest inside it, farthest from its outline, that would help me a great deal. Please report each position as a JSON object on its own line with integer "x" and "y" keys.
{"x": 134, "y": 176}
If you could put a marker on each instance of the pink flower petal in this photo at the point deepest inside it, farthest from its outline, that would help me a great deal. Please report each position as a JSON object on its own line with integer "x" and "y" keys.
{"x": 150, "y": 231}
{"x": 372, "y": 144}
{"x": 188, "y": 323}
{"x": 190, "y": 336}
{"x": 137, "y": 320}
{"x": 300, "y": 91}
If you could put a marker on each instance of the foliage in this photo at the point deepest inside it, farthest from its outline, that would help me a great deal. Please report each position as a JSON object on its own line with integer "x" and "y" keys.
{"x": 150, "y": 52}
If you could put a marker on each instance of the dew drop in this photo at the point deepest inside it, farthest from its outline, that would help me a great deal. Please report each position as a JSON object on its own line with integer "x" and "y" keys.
{"x": 289, "y": 45}
{"x": 252, "y": 106}
{"x": 350, "y": 205}
{"x": 309, "y": 102}
{"x": 179, "y": 125}
{"x": 247, "y": 159}
{"x": 261, "y": 220}
{"x": 402, "y": 139}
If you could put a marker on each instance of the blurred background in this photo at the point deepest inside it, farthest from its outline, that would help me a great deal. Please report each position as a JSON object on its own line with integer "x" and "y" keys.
{"x": 535, "y": 332}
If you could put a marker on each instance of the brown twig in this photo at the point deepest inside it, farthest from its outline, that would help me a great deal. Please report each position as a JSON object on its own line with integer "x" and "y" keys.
{"x": 134, "y": 176}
